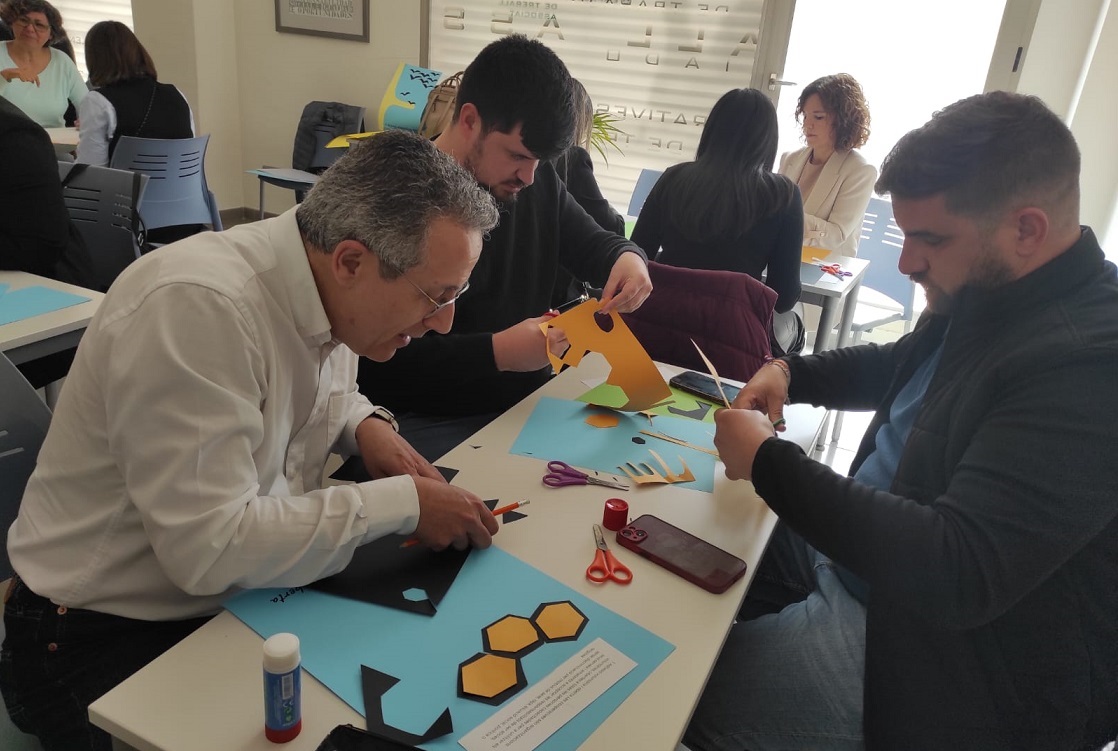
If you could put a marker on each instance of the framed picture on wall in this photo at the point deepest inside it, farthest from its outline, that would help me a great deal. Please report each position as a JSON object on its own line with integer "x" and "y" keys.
{"x": 338, "y": 19}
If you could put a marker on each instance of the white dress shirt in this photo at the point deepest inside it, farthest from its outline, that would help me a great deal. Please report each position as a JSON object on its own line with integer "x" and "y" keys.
{"x": 185, "y": 459}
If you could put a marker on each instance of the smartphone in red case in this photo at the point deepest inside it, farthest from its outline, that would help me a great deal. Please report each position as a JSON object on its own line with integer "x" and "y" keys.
{"x": 682, "y": 553}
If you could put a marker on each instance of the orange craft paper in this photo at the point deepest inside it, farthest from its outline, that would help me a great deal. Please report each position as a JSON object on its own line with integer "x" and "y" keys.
{"x": 631, "y": 369}
{"x": 603, "y": 421}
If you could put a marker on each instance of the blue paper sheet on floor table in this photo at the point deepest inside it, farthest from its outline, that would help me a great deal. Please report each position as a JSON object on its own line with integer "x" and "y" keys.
{"x": 557, "y": 429}
{"x": 338, "y": 635}
{"x": 28, "y": 302}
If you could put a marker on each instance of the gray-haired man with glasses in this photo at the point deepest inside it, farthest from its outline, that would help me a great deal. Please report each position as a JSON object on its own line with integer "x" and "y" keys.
{"x": 185, "y": 460}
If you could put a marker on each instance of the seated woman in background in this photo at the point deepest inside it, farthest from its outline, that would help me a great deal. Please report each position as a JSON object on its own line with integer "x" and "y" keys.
{"x": 35, "y": 76}
{"x": 576, "y": 169}
{"x": 727, "y": 210}
{"x": 835, "y": 181}
{"x": 127, "y": 99}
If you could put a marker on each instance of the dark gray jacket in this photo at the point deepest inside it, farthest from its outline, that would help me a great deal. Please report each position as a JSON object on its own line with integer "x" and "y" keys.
{"x": 992, "y": 562}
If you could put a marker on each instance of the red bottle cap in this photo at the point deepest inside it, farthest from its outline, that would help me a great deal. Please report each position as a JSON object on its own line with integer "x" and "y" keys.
{"x": 616, "y": 514}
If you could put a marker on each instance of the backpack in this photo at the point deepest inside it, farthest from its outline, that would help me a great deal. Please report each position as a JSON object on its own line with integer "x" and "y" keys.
{"x": 439, "y": 109}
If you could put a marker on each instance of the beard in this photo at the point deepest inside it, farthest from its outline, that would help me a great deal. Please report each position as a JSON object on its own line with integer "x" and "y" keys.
{"x": 505, "y": 192}
{"x": 989, "y": 271}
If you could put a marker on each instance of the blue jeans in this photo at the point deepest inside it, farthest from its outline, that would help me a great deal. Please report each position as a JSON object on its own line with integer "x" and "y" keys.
{"x": 56, "y": 661}
{"x": 791, "y": 678}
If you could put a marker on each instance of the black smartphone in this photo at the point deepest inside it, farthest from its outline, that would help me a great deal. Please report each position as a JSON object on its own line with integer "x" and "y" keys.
{"x": 350, "y": 738}
{"x": 702, "y": 385}
{"x": 682, "y": 553}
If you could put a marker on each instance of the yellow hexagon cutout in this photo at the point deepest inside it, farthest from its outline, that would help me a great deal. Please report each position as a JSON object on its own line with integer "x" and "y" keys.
{"x": 490, "y": 678}
{"x": 559, "y": 621}
{"x": 513, "y": 635}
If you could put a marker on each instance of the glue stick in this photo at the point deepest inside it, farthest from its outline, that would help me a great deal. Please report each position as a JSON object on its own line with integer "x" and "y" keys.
{"x": 282, "y": 692}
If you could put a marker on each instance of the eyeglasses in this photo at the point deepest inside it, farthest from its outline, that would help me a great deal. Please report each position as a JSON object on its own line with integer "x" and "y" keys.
{"x": 40, "y": 27}
{"x": 438, "y": 305}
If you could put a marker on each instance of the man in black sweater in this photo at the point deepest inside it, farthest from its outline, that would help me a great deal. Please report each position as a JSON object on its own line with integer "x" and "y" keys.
{"x": 36, "y": 234}
{"x": 513, "y": 115}
{"x": 960, "y": 590}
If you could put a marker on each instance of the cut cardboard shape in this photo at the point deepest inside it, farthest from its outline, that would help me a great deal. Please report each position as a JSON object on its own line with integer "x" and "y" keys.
{"x": 631, "y": 369}
{"x": 490, "y": 678}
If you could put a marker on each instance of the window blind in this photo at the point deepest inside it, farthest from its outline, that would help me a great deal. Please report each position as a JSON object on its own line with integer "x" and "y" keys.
{"x": 79, "y": 15}
{"x": 657, "y": 66}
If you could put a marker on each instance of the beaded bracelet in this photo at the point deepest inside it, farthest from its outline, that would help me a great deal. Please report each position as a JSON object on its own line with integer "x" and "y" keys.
{"x": 783, "y": 368}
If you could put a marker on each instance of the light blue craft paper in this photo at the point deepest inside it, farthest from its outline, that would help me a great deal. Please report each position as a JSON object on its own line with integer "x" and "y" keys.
{"x": 557, "y": 429}
{"x": 28, "y": 302}
{"x": 338, "y": 635}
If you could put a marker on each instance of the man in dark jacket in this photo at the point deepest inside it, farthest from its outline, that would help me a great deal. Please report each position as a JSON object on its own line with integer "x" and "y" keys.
{"x": 513, "y": 114}
{"x": 962, "y": 585}
{"x": 36, "y": 233}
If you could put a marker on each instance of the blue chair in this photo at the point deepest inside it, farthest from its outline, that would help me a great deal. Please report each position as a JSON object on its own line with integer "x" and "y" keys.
{"x": 24, "y": 420}
{"x": 176, "y": 193}
{"x": 886, "y": 295}
{"x": 645, "y": 181}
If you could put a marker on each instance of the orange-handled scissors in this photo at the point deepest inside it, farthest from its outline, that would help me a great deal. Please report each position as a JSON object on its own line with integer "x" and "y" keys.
{"x": 605, "y": 566}
{"x": 835, "y": 269}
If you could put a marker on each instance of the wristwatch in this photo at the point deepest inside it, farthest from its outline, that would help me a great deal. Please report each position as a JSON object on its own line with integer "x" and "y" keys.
{"x": 383, "y": 414}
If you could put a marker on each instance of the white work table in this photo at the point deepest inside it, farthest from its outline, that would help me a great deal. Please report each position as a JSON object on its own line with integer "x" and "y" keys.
{"x": 47, "y": 333}
{"x": 206, "y": 692}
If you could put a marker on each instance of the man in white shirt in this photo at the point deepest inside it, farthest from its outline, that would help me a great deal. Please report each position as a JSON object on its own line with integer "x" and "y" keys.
{"x": 185, "y": 460}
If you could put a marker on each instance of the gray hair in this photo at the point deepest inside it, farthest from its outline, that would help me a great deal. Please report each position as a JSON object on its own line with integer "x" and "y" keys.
{"x": 385, "y": 192}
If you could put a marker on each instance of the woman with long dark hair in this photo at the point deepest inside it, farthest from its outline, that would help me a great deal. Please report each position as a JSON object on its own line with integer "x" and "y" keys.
{"x": 127, "y": 99}
{"x": 727, "y": 210}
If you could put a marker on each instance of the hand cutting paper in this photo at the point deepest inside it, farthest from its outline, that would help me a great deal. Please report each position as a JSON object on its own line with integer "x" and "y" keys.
{"x": 631, "y": 369}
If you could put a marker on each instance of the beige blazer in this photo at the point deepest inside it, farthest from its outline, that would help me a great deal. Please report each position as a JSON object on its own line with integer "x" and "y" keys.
{"x": 833, "y": 210}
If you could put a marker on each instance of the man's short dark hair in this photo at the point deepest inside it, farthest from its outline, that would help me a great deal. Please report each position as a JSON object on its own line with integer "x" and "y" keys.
{"x": 988, "y": 153}
{"x": 520, "y": 81}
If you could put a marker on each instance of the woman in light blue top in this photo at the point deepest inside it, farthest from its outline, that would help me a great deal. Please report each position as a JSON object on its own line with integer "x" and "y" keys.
{"x": 34, "y": 76}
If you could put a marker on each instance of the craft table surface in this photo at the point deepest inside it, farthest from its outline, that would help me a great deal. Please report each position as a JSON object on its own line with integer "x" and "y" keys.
{"x": 836, "y": 297}
{"x": 206, "y": 693}
{"x": 49, "y": 332}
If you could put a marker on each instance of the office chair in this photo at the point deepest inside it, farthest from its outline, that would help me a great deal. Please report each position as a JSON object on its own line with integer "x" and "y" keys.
{"x": 726, "y": 313}
{"x": 645, "y": 181}
{"x": 102, "y": 204}
{"x": 886, "y": 295}
{"x": 24, "y": 420}
{"x": 320, "y": 123}
{"x": 177, "y": 193}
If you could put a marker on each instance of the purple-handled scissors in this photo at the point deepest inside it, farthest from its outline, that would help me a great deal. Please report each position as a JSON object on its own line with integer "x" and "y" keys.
{"x": 560, "y": 474}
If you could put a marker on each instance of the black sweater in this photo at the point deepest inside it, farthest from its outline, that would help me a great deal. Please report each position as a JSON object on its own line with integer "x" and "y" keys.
{"x": 992, "y": 620}
{"x": 774, "y": 242}
{"x": 455, "y": 374}
{"x": 36, "y": 233}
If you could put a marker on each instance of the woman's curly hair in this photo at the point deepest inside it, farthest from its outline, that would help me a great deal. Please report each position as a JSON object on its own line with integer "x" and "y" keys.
{"x": 842, "y": 97}
{"x": 13, "y": 9}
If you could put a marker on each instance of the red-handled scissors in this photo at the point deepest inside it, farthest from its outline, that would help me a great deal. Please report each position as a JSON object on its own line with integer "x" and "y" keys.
{"x": 834, "y": 269}
{"x": 560, "y": 474}
{"x": 605, "y": 566}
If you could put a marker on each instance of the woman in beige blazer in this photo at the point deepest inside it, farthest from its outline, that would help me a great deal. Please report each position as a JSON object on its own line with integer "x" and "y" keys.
{"x": 834, "y": 180}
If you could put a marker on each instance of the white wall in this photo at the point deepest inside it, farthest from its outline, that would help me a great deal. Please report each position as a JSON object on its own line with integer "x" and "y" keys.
{"x": 1075, "y": 76}
{"x": 248, "y": 83}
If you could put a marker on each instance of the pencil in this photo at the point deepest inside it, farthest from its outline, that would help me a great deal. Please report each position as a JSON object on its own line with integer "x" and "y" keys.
{"x": 496, "y": 512}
